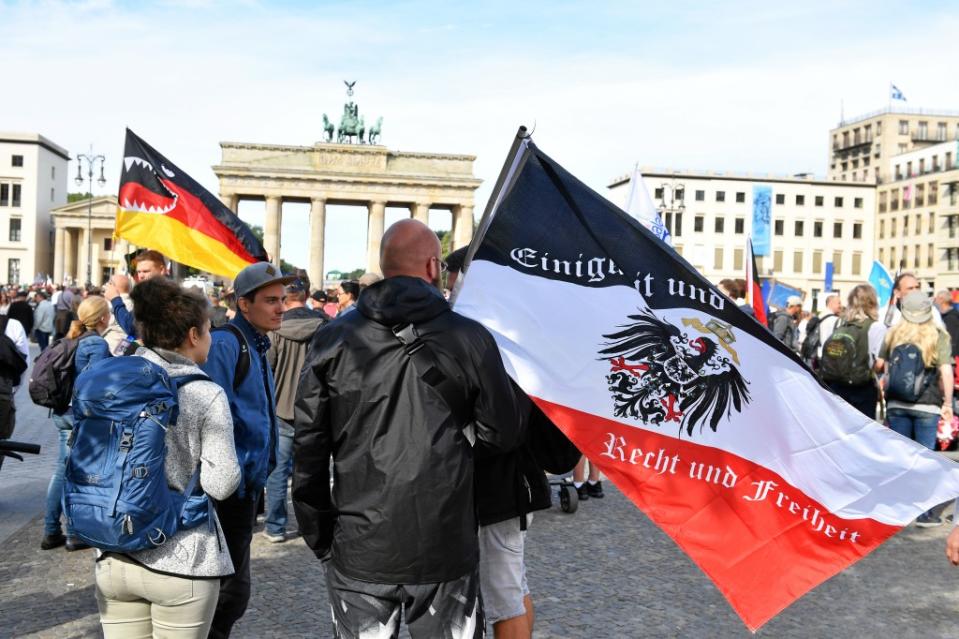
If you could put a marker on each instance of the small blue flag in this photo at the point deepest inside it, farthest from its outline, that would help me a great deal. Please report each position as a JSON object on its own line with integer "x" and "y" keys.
{"x": 882, "y": 281}
{"x": 895, "y": 93}
{"x": 830, "y": 269}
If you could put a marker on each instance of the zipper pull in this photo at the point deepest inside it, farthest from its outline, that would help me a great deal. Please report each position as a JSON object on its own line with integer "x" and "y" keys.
{"x": 128, "y": 524}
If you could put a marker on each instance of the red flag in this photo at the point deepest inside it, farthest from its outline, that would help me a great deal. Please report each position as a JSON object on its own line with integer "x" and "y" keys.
{"x": 754, "y": 286}
{"x": 705, "y": 421}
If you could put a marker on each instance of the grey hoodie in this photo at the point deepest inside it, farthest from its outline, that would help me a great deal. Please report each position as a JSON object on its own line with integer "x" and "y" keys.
{"x": 203, "y": 433}
{"x": 288, "y": 347}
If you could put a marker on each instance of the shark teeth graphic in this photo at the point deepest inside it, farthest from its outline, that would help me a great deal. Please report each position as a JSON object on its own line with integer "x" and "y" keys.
{"x": 130, "y": 160}
{"x": 142, "y": 207}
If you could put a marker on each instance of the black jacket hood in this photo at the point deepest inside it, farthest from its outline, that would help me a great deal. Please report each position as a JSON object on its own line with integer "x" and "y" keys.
{"x": 401, "y": 300}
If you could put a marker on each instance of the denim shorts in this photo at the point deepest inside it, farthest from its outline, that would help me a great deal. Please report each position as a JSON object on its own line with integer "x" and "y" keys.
{"x": 502, "y": 569}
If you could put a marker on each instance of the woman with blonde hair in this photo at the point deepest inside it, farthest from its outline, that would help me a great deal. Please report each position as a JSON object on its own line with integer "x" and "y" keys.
{"x": 858, "y": 320}
{"x": 94, "y": 314}
{"x": 915, "y": 403}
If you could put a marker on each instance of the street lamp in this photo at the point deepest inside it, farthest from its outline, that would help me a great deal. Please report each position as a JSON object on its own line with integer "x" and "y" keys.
{"x": 91, "y": 161}
{"x": 672, "y": 200}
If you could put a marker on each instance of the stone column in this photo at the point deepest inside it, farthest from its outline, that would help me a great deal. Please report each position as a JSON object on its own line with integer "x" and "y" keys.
{"x": 271, "y": 228}
{"x": 59, "y": 241}
{"x": 317, "y": 240}
{"x": 374, "y": 235}
{"x": 421, "y": 212}
{"x": 231, "y": 201}
{"x": 462, "y": 225}
{"x": 69, "y": 257}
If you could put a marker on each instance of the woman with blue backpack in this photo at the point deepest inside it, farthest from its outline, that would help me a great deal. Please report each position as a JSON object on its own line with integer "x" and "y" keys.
{"x": 916, "y": 356}
{"x": 170, "y": 587}
{"x": 94, "y": 318}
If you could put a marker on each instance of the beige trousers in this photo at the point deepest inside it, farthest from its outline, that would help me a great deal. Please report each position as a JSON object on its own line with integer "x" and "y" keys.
{"x": 136, "y": 602}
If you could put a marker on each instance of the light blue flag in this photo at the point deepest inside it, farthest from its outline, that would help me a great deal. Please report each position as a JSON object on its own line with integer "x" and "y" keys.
{"x": 830, "y": 269}
{"x": 762, "y": 219}
{"x": 882, "y": 281}
{"x": 895, "y": 93}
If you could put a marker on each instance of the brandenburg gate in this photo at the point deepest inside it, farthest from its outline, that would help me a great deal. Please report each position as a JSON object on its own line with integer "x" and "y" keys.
{"x": 329, "y": 173}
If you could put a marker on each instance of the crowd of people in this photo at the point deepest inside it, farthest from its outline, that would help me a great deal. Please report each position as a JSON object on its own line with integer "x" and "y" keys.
{"x": 411, "y": 453}
{"x": 416, "y": 463}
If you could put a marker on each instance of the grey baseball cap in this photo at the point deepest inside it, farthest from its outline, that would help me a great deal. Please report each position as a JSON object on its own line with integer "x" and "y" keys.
{"x": 917, "y": 307}
{"x": 258, "y": 275}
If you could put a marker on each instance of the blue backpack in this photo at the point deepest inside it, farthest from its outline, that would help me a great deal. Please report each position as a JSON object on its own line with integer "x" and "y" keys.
{"x": 115, "y": 492}
{"x": 908, "y": 377}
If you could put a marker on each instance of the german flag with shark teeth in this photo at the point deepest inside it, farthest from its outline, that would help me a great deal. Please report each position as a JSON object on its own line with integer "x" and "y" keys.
{"x": 163, "y": 208}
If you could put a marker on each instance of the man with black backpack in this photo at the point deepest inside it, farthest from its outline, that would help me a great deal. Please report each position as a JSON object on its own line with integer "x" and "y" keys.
{"x": 399, "y": 392}
{"x": 237, "y": 362}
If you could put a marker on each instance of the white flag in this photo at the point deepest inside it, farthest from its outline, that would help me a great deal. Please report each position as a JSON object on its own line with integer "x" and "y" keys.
{"x": 640, "y": 206}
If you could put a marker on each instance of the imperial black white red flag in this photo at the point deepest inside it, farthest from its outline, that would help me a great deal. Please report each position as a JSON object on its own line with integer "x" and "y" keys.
{"x": 712, "y": 427}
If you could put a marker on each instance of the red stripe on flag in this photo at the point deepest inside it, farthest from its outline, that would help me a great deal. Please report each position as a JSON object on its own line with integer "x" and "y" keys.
{"x": 763, "y": 542}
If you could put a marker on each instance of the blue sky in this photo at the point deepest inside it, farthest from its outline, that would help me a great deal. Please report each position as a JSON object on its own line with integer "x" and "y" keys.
{"x": 744, "y": 86}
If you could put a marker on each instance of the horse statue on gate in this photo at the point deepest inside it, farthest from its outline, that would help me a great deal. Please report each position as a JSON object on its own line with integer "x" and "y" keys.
{"x": 374, "y": 135}
{"x": 327, "y": 129}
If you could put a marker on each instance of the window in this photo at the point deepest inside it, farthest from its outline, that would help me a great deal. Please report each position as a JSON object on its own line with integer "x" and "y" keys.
{"x": 930, "y": 256}
{"x": 16, "y": 160}
{"x": 780, "y": 198}
{"x": 698, "y": 222}
{"x": 4, "y": 195}
{"x": 898, "y": 172}
{"x": 739, "y": 226}
{"x": 894, "y": 200}
{"x": 948, "y": 160}
{"x": 798, "y": 228}
{"x": 52, "y": 194}
{"x": 932, "y": 222}
{"x": 658, "y": 193}
{"x": 777, "y": 261}
{"x": 108, "y": 244}
{"x": 837, "y": 262}
{"x": 837, "y": 229}
{"x": 778, "y": 226}
{"x": 879, "y": 128}
{"x": 14, "y": 229}
{"x": 922, "y": 165}
{"x": 817, "y": 229}
{"x": 13, "y": 271}
{"x": 818, "y": 200}
{"x": 882, "y": 229}
{"x": 905, "y": 225}
{"x": 53, "y": 172}
{"x": 738, "y": 259}
{"x": 892, "y": 227}
{"x": 857, "y": 263}
{"x": 15, "y": 198}
{"x": 941, "y": 131}
{"x": 918, "y": 224}
{"x": 718, "y": 258}
{"x": 905, "y": 256}
{"x": 720, "y": 196}
{"x": 933, "y": 193}
{"x": 892, "y": 258}
{"x": 920, "y": 195}
{"x": 797, "y": 261}
{"x": 915, "y": 257}
{"x": 882, "y": 255}
{"x": 719, "y": 225}
{"x": 817, "y": 262}
{"x": 678, "y": 231}
{"x": 800, "y": 200}
{"x": 935, "y": 163}
{"x": 882, "y": 201}
{"x": 857, "y": 203}
{"x": 923, "y": 130}
{"x": 740, "y": 196}
{"x": 909, "y": 169}
{"x": 857, "y": 230}
{"x": 837, "y": 202}
{"x": 903, "y": 127}
{"x": 700, "y": 196}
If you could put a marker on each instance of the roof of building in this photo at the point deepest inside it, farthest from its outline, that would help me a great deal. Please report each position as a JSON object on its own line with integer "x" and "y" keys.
{"x": 799, "y": 178}
{"x": 34, "y": 138}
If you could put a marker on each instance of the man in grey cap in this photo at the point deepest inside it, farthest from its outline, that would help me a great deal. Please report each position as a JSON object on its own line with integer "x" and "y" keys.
{"x": 784, "y": 323}
{"x": 237, "y": 362}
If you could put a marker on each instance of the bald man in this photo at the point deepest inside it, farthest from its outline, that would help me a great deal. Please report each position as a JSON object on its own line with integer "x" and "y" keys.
{"x": 399, "y": 393}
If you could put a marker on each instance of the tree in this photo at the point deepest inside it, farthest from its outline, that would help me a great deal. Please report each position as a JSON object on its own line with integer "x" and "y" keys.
{"x": 77, "y": 197}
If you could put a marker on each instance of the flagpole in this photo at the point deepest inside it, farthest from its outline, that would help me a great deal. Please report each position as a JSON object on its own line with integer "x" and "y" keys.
{"x": 509, "y": 169}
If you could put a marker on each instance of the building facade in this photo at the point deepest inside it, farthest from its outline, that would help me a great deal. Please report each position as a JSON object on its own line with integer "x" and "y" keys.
{"x": 85, "y": 228}
{"x": 861, "y": 150}
{"x": 813, "y": 222}
{"x": 33, "y": 180}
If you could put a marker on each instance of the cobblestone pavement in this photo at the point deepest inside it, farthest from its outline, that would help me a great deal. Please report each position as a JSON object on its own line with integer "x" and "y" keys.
{"x": 605, "y": 571}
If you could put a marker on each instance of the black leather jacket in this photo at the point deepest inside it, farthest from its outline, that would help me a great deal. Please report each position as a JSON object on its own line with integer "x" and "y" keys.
{"x": 401, "y": 509}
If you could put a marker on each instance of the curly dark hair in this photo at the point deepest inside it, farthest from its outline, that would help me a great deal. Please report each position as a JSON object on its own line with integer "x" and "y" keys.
{"x": 165, "y": 312}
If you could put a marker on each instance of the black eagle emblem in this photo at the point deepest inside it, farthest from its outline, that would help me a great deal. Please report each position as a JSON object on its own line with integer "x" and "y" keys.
{"x": 659, "y": 374}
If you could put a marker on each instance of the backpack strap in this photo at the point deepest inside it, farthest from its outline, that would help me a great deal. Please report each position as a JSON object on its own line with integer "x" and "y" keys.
{"x": 425, "y": 364}
{"x": 243, "y": 362}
